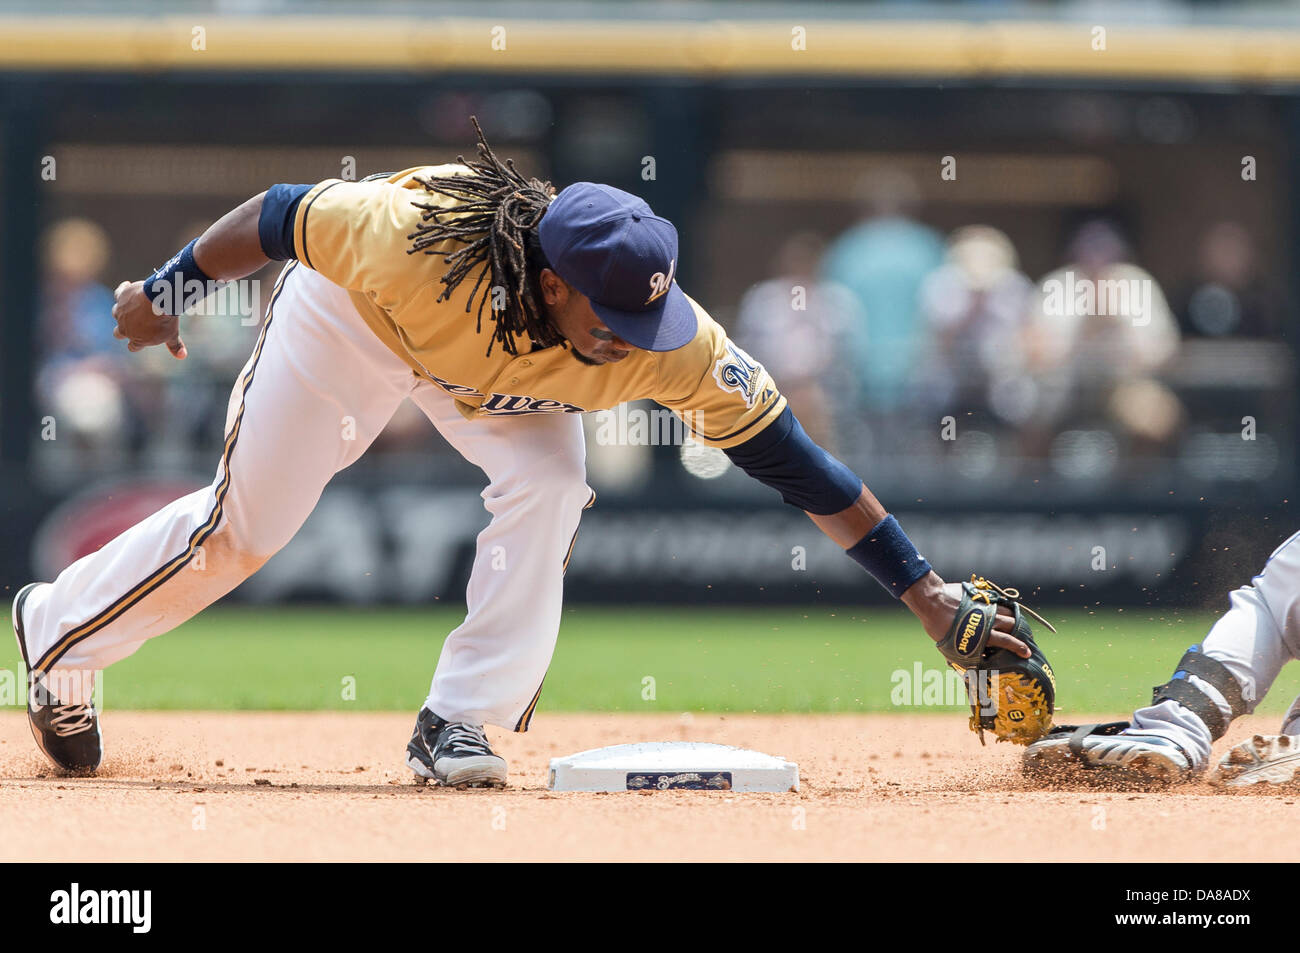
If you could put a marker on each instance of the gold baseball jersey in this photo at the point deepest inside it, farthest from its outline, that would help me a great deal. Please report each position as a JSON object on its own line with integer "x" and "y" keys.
{"x": 357, "y": 234}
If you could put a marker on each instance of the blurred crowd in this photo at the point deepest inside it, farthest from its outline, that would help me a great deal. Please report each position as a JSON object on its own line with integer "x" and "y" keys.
{"x": 112, "y": 409}
{"x": 896, "y": 344}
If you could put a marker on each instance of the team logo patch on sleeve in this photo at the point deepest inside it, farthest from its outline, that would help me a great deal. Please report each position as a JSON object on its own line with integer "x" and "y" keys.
{"x": 738, "y": 373}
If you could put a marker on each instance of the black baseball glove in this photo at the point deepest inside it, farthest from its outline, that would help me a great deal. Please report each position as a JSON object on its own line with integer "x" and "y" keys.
{"x": 1012, "y": 697}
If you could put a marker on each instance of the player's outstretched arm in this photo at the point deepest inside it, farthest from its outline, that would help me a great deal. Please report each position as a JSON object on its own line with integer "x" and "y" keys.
{"x": 147, "y": 311}
{"x": 865, "y": 525}
{"x": 784, "y": 457}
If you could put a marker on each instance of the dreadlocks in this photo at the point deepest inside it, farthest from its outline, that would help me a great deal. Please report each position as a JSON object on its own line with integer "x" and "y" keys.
{"x": 495, "y": 222}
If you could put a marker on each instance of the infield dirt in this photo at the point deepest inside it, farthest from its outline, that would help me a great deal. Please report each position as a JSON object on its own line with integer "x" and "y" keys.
{"x": 332, "y": 787}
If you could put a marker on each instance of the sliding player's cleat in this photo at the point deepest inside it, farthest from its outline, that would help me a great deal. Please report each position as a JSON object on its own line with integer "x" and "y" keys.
{"x": 1115, "y": 757}
{"x": 1270, "y": 760}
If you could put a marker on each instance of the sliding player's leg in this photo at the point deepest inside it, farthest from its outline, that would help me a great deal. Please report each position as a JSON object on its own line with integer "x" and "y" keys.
{"x": 1216, "y": 681}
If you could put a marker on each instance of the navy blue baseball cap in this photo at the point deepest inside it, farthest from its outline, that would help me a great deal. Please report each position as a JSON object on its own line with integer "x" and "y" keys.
{"x": 611, "y": 247}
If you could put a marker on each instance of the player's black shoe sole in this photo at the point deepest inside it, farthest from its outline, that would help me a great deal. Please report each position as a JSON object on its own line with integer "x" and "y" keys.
{"x": 453, "y": 753}
{"x": 67, "y": 734}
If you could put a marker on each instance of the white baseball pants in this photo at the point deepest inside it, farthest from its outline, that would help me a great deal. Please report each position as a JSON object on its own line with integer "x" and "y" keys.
{"x": 1256, "y": 636}
{"x": 318, "y": 389}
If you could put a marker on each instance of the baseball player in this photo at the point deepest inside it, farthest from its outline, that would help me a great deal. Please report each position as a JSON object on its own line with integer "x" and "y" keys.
{"x": 503, "y": 311}
{"x": 1222, "y": 678}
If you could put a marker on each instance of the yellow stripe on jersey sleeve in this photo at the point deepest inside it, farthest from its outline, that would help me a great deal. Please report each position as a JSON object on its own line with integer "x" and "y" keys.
{"x": 356, "y": 235}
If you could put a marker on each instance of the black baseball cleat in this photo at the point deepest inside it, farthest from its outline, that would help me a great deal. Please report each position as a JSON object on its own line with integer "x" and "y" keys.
{"x": 453, "y": 753}
{"x": 67, "y": 734}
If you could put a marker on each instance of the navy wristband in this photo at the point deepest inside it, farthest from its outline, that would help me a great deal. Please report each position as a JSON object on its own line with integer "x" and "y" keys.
{"x": 889, "y": 555}
{"x": 179, "y": 284}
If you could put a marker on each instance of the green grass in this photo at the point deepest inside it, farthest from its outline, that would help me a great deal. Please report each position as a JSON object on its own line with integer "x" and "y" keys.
{"x": 786, "y": 660}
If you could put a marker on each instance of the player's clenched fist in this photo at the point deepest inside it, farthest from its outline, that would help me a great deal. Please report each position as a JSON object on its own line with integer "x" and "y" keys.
{"x": 139, "y": 325}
